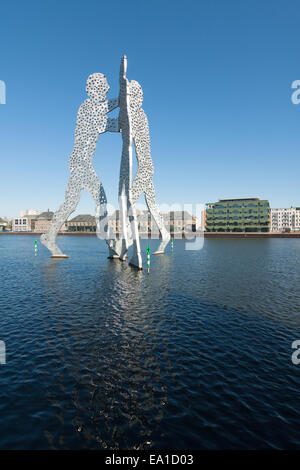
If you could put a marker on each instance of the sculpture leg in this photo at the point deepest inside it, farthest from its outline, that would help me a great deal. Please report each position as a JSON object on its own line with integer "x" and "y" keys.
{"x": 95, "y": 188}
{"x": 136, "y": 193}
{"x": 136, "y": 259}
{"x": 128, "y": 219}
{"x": 123, "y": 223}
{"x": 150, "y": 201}
{"x": 72, "y": 198}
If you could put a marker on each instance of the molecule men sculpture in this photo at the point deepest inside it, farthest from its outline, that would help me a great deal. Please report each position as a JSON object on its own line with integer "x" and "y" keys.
{"x": 132, "y": 123}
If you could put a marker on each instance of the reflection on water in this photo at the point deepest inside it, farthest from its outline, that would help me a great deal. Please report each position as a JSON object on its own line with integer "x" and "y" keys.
{"x": 119, "y": 379}
{"x": 194, "y": 355}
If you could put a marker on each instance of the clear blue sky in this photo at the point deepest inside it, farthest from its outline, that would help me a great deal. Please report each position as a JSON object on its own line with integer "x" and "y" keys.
{"x": 217, "y": 91}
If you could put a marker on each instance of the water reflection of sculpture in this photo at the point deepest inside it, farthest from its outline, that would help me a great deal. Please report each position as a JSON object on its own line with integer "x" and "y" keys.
{"x": 108, "y": 360}
{"x": 128, "y": 404}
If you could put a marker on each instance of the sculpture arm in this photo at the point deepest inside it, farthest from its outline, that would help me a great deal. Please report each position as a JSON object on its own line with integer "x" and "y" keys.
{"x": 112, "y": 125}
{"x": 123, "y": 68}
{"x": 123, "y": 81}
{"x": 112, "y": 104}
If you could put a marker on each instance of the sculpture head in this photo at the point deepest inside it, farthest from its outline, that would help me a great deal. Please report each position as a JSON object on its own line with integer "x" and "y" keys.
{"x": 97, "y": 86}
{"x": 136, "y": 94}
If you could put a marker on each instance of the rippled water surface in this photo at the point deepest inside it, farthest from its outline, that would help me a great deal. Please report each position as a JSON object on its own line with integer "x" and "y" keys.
{"x": 195, "y": 355}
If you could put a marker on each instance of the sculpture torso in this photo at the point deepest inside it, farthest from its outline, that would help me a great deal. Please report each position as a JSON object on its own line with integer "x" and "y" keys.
{"x": 140, "y": 134}
{"x": 91, "y": 121}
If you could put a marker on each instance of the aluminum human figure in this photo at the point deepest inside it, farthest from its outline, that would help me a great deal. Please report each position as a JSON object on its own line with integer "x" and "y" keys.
{"x": 92, "y": 120}
{"x": 127, "y": 207}
{"x": 143, "y": 180}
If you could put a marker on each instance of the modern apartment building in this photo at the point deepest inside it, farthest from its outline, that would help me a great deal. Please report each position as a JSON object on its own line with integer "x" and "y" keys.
{"x": 287, "y": 219}
{"x": 238, "y": 215}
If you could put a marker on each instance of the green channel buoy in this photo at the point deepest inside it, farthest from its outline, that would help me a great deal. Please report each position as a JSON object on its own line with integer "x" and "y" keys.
{"x": 148, "y": 258}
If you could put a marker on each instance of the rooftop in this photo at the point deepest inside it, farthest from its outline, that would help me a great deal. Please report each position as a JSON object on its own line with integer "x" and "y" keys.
{"x": 240, "y": 199}
{"x": 83, "y": 218}
{"x": 45, "y": 215}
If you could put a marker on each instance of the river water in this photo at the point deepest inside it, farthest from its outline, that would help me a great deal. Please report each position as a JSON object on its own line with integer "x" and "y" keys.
{"x": 195, "y": 355}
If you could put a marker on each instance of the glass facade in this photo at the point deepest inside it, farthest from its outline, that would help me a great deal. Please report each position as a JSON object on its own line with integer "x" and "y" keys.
{"x": 238, "y": 215}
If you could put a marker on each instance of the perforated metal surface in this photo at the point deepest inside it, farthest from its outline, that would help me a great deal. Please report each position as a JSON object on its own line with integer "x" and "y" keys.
{"x": 92, "y": 120}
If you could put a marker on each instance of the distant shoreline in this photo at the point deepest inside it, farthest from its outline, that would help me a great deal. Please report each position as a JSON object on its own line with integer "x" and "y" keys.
{"x": 176, "y": 235}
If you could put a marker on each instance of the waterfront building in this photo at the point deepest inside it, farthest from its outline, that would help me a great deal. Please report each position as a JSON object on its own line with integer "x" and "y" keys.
{"x": 203, "y": 220}
{"x": 286, "y": 219}
{"x": 174, "y": 221}
{"x": 33, "y": 221}
{"x": 26, "y": 221}
{"x": 146, "y": 222}
{"x": 297, "y": 218}
{"x": 30, "y": 212}
{"x": 3, "y": 225}
{"x": 114, "y": 222}
{"x": 82, "y": 223}
{"x": 24, "y": 224}
{"x": 87, "y": 223}
{"x": 238, "y": 215}
{"x": 43, "y": 222}
{"x": 179, "y": 221}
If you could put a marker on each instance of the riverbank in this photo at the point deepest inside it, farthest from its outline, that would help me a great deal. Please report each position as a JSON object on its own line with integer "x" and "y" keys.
{"x": 177, "y": 235}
